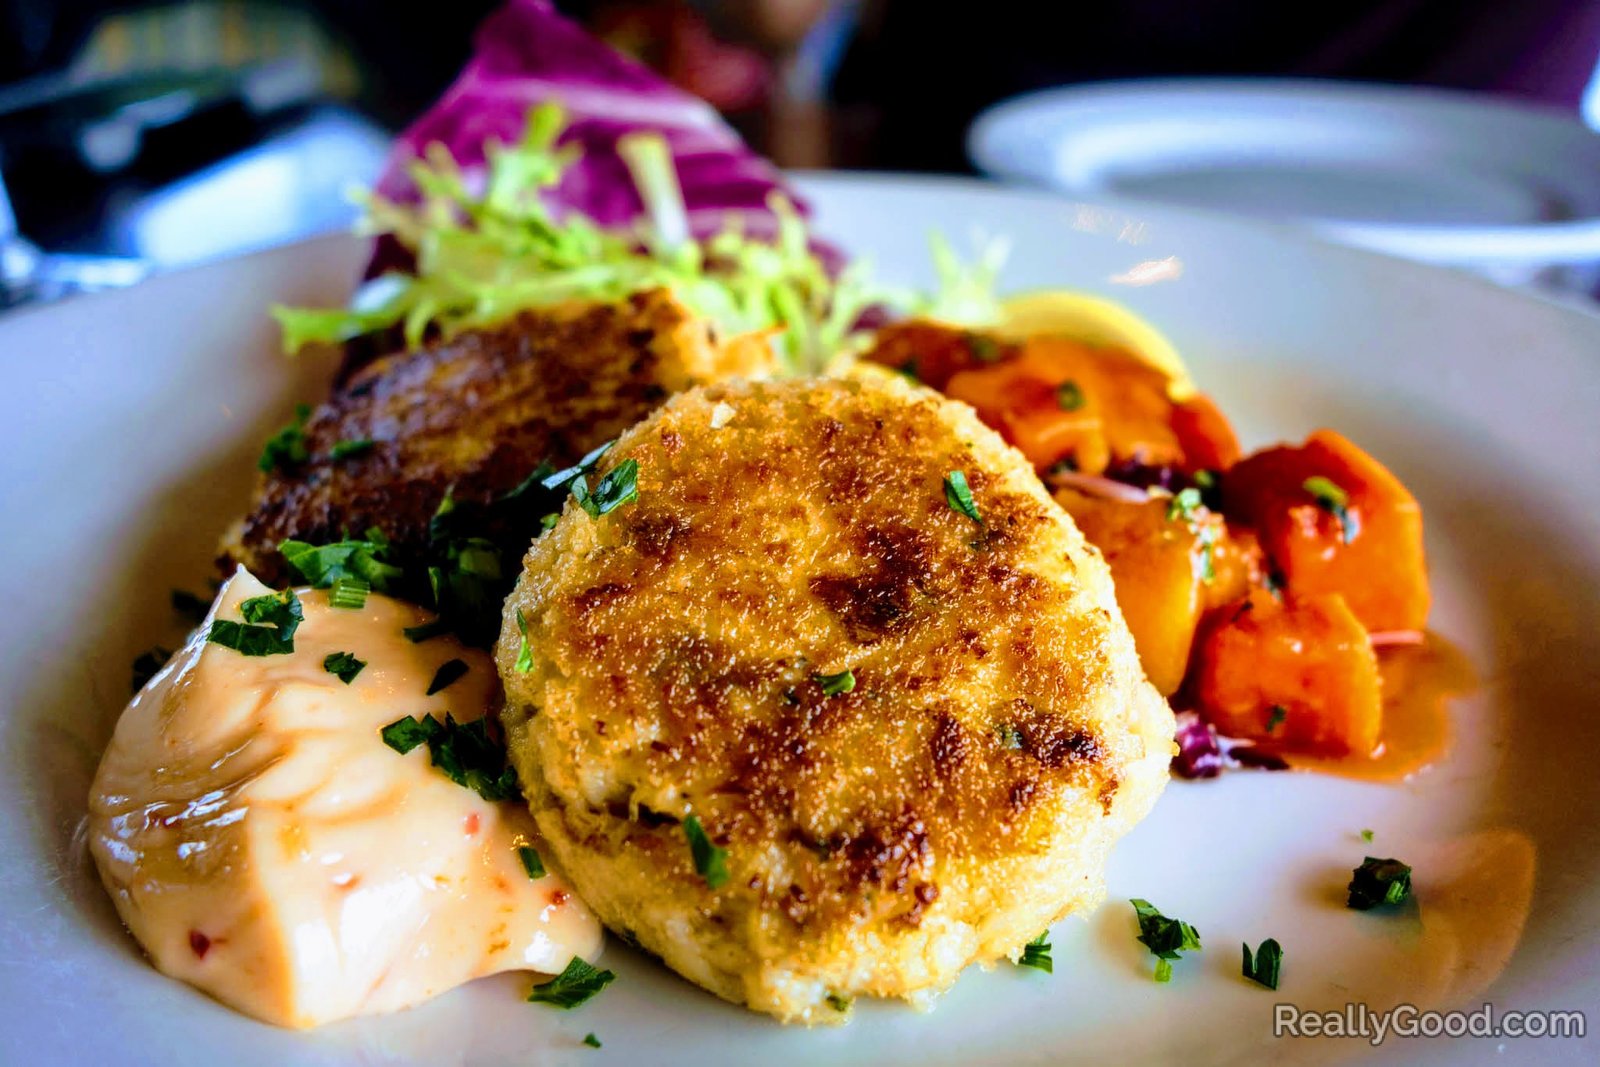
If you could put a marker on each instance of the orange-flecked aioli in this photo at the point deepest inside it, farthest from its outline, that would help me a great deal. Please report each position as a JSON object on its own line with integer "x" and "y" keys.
{"x": 263, "y": 844}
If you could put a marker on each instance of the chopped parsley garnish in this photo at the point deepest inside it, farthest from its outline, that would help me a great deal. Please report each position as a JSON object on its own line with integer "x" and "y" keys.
{"x": 839, "y": 1002}
{"x": 531, "y": 861}
{"x": 1366, "y": 835}
{"x": 462, "y": 750}
{"x": 190, "y": 606}
{"x": 343, "y": 665}
{"x": 346, "y": 449}
{"x": 1377, "y": 881}
{"x": 1276, "y": 716}
{"x": 1336, "y": 502}
{"x": 710, "y": 862}
{"x": 959, "y": 496}
{"x": 449, "y": 672}
{"x": 1165, "y": 938}
{"x": 268, "y": 629}
{"x": 619, "y": 486}
{"x": 1069, "y": 397}
{"x": 1184, "y": 507}
{"x": 591, "y": 1040}
{"x": 1036, "y": 954}
{"x": 835, "y": 684}
{"x": 576, "y": 983}
{"x": 1010, "y": 736}
{"x": 287, "y": 447}
{"x": 551, "y": 480}
{"x": 323, "y": 565}
{"x": 349, "y": 593}
{"x": 524, "y": 662}
{"x": 1264, "y": 966}
{"x": 148, "y": 665}
{"x": 426, "y": 631}
{"x": 1205, "y": 479}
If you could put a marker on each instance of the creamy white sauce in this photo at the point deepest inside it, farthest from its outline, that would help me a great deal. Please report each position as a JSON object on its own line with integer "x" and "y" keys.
{"x": 263, "y": 844}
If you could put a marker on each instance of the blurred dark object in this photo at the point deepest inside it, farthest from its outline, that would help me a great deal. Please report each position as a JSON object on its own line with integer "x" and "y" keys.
{"x": 919, "y": 71}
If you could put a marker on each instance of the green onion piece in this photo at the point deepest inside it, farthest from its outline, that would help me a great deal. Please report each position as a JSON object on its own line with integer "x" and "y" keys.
{"x": 1264, "y": 966}
{"x": 463, "y": 751}
{"x": 1069, "y": 397}
{"x": 343, "y": 665}
{"x": 405, "y": 734}
{"x": 1366, "y": 835}
{"x": 1276, "y": 716}
{"x": 346, "y": 449}
{"x": 349, "y": 593}
{"x": 839, "y": 1002}
{"x": 1036, "y": 954}
{"x": 449, "y": 672}
{"x": 524, "y": 662}
{"x": 619, "y": 486}
{"x": 710, "y": 862}
{"x": 1165, "y": 938}
{"x": 577, "y": 982}
{"x": 591, "y": 1040}
{"x": 1336, "y": 502}
{"x": 531, "y": 862}
{"x": 1379, "y": 881}
{"x": 286, "y": 449}
{"x": 268, "y": 629}
{"x": 959, "y": 496}
{"x": 835, "y": 684}
{"x": 1182, "y": 506}
{"x": 426, "y": 631}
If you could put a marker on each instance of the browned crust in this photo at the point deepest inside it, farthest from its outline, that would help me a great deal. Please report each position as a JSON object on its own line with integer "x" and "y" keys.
{"x": 475, "y": 414}
{"x": 677, "y": 641}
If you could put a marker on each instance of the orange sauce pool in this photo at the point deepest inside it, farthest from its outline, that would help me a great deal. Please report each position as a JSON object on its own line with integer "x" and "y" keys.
{"x": 1419, "y": 682}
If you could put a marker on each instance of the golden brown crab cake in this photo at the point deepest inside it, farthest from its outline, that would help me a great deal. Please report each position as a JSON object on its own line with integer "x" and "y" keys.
{"x": 915, "y": 735}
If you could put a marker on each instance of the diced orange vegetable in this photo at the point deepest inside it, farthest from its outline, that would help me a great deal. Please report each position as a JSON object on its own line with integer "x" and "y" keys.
{"x": 1300, "y": 674}
{"x": 933, "y": 351}
{"x": 1237, "y": 566}
{"x": 1372, "y": 556}
{"x": 1157, "y": 564}
{"x": 1207, "y": 439}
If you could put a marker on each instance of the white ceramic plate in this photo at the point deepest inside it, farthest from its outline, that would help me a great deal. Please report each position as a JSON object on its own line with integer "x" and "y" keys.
{"x": 1443, "y": 177}
{"x": 133, "y": 419}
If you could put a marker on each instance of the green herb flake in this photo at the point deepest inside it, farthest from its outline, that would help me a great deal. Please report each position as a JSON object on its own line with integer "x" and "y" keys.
{"x": 836, "y": 684}
{"x": 1336, "y": 502}
{"x": 343, "y": 665}
{"x": 1276, "y": 716}
{"x": 710, "y": 862}
{"x": 1165, "y": 938}
{"x": 591, "y": 1041}
{"x": 1009, "y": 736}
{"x": 463, "y": 751}
{"x": 286, "y": 449}
{"x": 347, "y": 449}
{"x": 1366, "y": 835}
{"x": 1183, "y": 505}
{"x": 268, "y": 629}
{"x": 190, "y": 606}
{"x": 323, "y": 565}
{"x": 1069, "y": 396}
{"x": 984, "y": 349}
{"x": 577, "y": 982}
{"x": 524, "y": 662}
{"x": 1264, "y": 966}
{"x": 449, "y": 672}
{"x": 349, "y": 593}
{"x": 959, "y": 496}
{"x": 839, "y": 1002}
{"x": 426, "y": 631}
{"x": 619, "y": 486}
{"x": 1379, "y": 881}
{"x": 148, "y": 664}
{"x": 1036, "y": 954}
{"x": 531, "y": 862}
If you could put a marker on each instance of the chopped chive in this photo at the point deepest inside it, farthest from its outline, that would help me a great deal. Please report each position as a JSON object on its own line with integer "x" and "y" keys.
{"x": 591, "y": 1040}
{"x": 531, "y": 862}
{"x": 1069, "y": 397}
{"x": 1036, "y": 954}
{"x": 349, "y": 593}
{"x": 835, "y": 684}
{"x": 1276, "y": 716}
{"x": 1264, "y": 966}
{"x": 577, "y": 982}
{"x": 958, "y": 494}
{"x": 524, "y": 662}
{"x": 346, "y": 449}
{"x": 426, "y": 631}
{"x": 1379, "y": 881}
{"x": 343, "y": 666}
{"x": 839, "y": 1002}
{"x": 449, "y": 672}
{"x": 1336, "y": 502}
{"x": 1165, "y": 938}
{"x": 710, "y": 862}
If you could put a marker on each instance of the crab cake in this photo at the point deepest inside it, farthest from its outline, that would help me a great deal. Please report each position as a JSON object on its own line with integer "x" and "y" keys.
{"x": 909, "y": 726}
{"x": 472, "y": 414}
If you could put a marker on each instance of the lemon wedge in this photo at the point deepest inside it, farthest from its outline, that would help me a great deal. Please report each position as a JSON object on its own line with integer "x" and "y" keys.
{"x": 1094, "y": 320}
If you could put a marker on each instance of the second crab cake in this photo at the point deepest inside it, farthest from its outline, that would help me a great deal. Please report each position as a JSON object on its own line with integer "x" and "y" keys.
{"x": 839, "y": 704}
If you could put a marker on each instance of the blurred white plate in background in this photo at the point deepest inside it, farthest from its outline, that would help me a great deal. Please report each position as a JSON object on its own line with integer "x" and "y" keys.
{"x": 1509, "y": 190}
